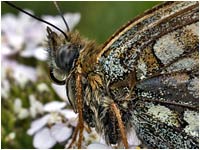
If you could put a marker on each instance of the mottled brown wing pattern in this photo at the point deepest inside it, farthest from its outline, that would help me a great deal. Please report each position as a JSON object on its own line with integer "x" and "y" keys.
{"x": 150, "y": 67}
{"x": 174, "y": 69}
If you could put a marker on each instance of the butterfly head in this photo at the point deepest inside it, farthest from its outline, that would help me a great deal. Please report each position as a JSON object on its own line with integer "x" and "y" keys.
{"x": 63, "y": 54}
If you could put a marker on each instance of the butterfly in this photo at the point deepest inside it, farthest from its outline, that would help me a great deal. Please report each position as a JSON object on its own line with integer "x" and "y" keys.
{"x": 145, "y": 77}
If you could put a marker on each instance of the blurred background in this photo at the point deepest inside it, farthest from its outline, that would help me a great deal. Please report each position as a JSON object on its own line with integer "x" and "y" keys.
{"x": 99, "y": 19}
{"x": 26, "y": 91}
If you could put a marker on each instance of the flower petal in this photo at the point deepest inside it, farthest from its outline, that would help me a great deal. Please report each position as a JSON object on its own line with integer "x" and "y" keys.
{"x": 60, "y": 91}
{"x": 43, "y": 139}
{"x": 5, "y": 87}
{"x": 42, "y": 87}
{"x": 96, "y": 145}
{"x": 23, "y": 74}
{"x": 15, "y": 40}
{"x": 23, "y": 113}
{"x": 61, "y": 132}
{"x": 27, "y": 53}
{"x": 132, "y": 138}
{"x": 41, "y": 54}
{"x": 54, "y": 106}
{"x": 38, "y": 124}
{"x": 69, "y": 114}
{"x": 17, "y": 105}
{"x": 6, "y": 50}
{"x": 71, "y": 18}
{"x": 8, "y": 22}
{"x": 36, "y": 106}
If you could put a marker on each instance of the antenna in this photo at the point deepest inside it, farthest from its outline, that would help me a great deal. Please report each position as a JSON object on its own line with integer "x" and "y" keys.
{"x": 37, "y": 18}
{"x": 61, "y": 14}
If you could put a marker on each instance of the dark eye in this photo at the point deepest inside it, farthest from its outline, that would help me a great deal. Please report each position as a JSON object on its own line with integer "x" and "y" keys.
{"x": 66, "y": 57}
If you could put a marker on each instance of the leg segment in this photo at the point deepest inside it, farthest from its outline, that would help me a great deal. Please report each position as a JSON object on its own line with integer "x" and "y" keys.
{"x": 80, "y": 126}
{"x": 116, "y": 111}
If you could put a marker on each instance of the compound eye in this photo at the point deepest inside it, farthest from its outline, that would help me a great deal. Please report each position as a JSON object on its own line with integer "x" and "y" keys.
{"x": 66, "y": 57}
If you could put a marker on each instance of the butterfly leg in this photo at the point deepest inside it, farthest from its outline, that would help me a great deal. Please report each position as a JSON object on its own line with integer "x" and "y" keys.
{"x": 80, "y": 108}
{"x": 116, "y": 111}
{"x": 74, "y": 137}
{"x": 80, "y": 126}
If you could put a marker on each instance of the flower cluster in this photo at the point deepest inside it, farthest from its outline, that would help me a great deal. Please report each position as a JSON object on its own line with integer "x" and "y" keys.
{"x": 22, "y": 84}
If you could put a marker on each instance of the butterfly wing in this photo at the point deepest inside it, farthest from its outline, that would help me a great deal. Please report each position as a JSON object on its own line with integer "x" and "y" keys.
{"x": 154, "y": 60}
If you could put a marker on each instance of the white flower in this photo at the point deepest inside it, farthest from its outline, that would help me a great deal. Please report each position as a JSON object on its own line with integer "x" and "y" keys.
{"x": 21, "y": 112}
{"x": 5, "y": 88}
{"x": 42, "y": 87}
{"x": 17, "y": 105}
{"x": 71, "y": 116}
{"x": 55, "y": 118}
{"x": 37, "y": 52}
{"x": 51, "y": 129}
{"x": 38, "y": 124}
{"x": 6, "y": 49}
{"x": 5, "y": 85}
{"x": 96, "y": 145}
{"x": 60, "y": 91}
{"x": 11, "y": 136}
{"x": 54, "y": 106}
{"x": 36, "y": 107}
{"x": 11, "y": 30}
{"x": 24, "y": 113}
{"x": 61, "y": 132}
{"x": 22, "y": 30}
{"x": 68, "y": 113}
{"x": 24, "y": 35}
{"x": 21, "y": 73}
{"x": 48, "y": 137}
{"x": 41, "y": 122}
{"x": 43, "y": 139}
